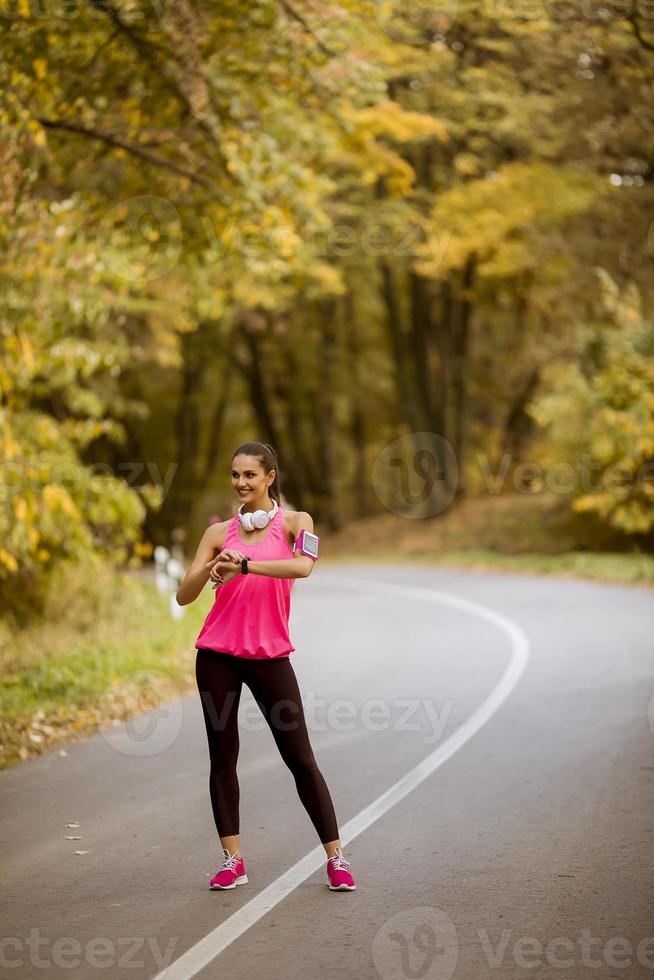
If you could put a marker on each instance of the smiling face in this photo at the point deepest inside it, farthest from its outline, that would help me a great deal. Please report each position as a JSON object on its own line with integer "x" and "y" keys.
{"x": 248, "y": 475}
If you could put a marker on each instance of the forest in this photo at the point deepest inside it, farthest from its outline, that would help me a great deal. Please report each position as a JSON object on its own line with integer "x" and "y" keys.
{"x": 325, "y": 226}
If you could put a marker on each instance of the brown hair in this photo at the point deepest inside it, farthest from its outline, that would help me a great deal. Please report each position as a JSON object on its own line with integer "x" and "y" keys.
{"x": 268, "y": 458}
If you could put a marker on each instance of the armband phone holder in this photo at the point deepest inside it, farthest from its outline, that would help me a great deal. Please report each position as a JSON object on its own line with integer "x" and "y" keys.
{"x": 307, "y": 543}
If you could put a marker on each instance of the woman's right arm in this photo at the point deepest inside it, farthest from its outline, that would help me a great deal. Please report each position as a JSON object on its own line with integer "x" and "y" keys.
{"x": 206, "y": 557}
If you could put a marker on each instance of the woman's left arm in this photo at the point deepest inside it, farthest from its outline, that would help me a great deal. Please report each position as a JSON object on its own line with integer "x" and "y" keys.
{"x": 300, "y": 566}
{"x": 281, "y": 567}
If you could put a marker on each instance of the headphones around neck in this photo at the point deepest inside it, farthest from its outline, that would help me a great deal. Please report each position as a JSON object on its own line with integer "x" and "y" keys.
{"x": 251, "y": 520}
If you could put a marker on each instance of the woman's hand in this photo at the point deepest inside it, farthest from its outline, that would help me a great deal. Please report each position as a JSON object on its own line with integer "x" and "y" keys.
{"x": 223, "y": 572}
{"x": 225, "y": 556}
{"x": 225, "y": 567}
{"x": 231, "y": 555}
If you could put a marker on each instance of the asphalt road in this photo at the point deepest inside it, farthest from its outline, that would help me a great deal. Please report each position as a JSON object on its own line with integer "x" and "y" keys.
{"x": 488, "y": 743}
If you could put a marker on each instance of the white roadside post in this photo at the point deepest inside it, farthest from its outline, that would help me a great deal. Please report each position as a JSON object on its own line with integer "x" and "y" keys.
{"x": 161, "y": 558}
{"x": 175, "y": 572}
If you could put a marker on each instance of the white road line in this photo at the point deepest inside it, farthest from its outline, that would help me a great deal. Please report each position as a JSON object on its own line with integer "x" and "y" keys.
{"x": 197, "y": 957}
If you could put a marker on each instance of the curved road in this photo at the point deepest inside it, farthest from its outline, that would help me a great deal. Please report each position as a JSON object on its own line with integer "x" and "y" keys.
{"x": 488, "y": 742}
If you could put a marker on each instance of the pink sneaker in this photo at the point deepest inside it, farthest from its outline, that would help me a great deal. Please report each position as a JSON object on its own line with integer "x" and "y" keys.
{"x": 231, "y": 874}
{"x": 338, "y": 872}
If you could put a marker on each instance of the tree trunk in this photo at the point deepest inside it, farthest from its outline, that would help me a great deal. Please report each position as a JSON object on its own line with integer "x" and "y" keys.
{"x": 324, "y": 413}
{"x": 461, "y": 350}
{"x": 357, "y": 417}
{"x": 406, "y": 407}
{"x": 259, "y": 382}
{"x": 177, "y": 506}
{"x": 420, "y": 347}
{"x": 215, "y": 428}
{"x": 291, "y": 393}
{"x": 518, "y": 424}
{"x": 441, "y": 314}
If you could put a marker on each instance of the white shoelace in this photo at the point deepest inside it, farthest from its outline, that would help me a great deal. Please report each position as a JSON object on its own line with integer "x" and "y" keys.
{"x": 230, "y": 861}
{"x": 338, "y": 862}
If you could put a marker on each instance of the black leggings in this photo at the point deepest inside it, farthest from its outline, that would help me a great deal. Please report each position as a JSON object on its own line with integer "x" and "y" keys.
{"x": 275, "y": 688}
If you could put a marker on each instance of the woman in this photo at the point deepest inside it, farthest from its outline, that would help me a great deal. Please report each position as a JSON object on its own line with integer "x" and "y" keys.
{"x": 245, "y": 637}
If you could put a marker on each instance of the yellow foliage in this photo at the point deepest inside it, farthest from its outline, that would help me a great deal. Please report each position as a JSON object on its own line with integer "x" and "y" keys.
{"x": 604, "y": 411}
{"x": 497, "y": 217}
{"x": 400, "y": 173}
{"x": 20, "y": 508}
{"x": 8, "y": 560}
{"x": 390, "y": 119}
{"x": 56, "y": 498}
{"x": 10, "y": 447}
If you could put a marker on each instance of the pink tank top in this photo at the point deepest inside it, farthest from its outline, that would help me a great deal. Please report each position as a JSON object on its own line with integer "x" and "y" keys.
{"x": 249, "y": 615}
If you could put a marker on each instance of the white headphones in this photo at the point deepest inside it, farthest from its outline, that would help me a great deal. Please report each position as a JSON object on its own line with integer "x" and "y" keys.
{"x": 251, "y": 520}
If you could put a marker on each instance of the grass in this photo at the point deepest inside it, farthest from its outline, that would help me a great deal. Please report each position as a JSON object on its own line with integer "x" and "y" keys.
{"x": 112, "y": 650}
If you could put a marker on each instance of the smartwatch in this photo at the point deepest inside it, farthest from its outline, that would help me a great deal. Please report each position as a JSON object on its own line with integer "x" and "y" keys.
{"x": 307, "y": 544}
{"x": 244, "y": 565}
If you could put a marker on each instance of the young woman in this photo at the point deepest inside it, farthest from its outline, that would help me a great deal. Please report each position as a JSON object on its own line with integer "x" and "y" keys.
{"x": 250, "y": 560}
